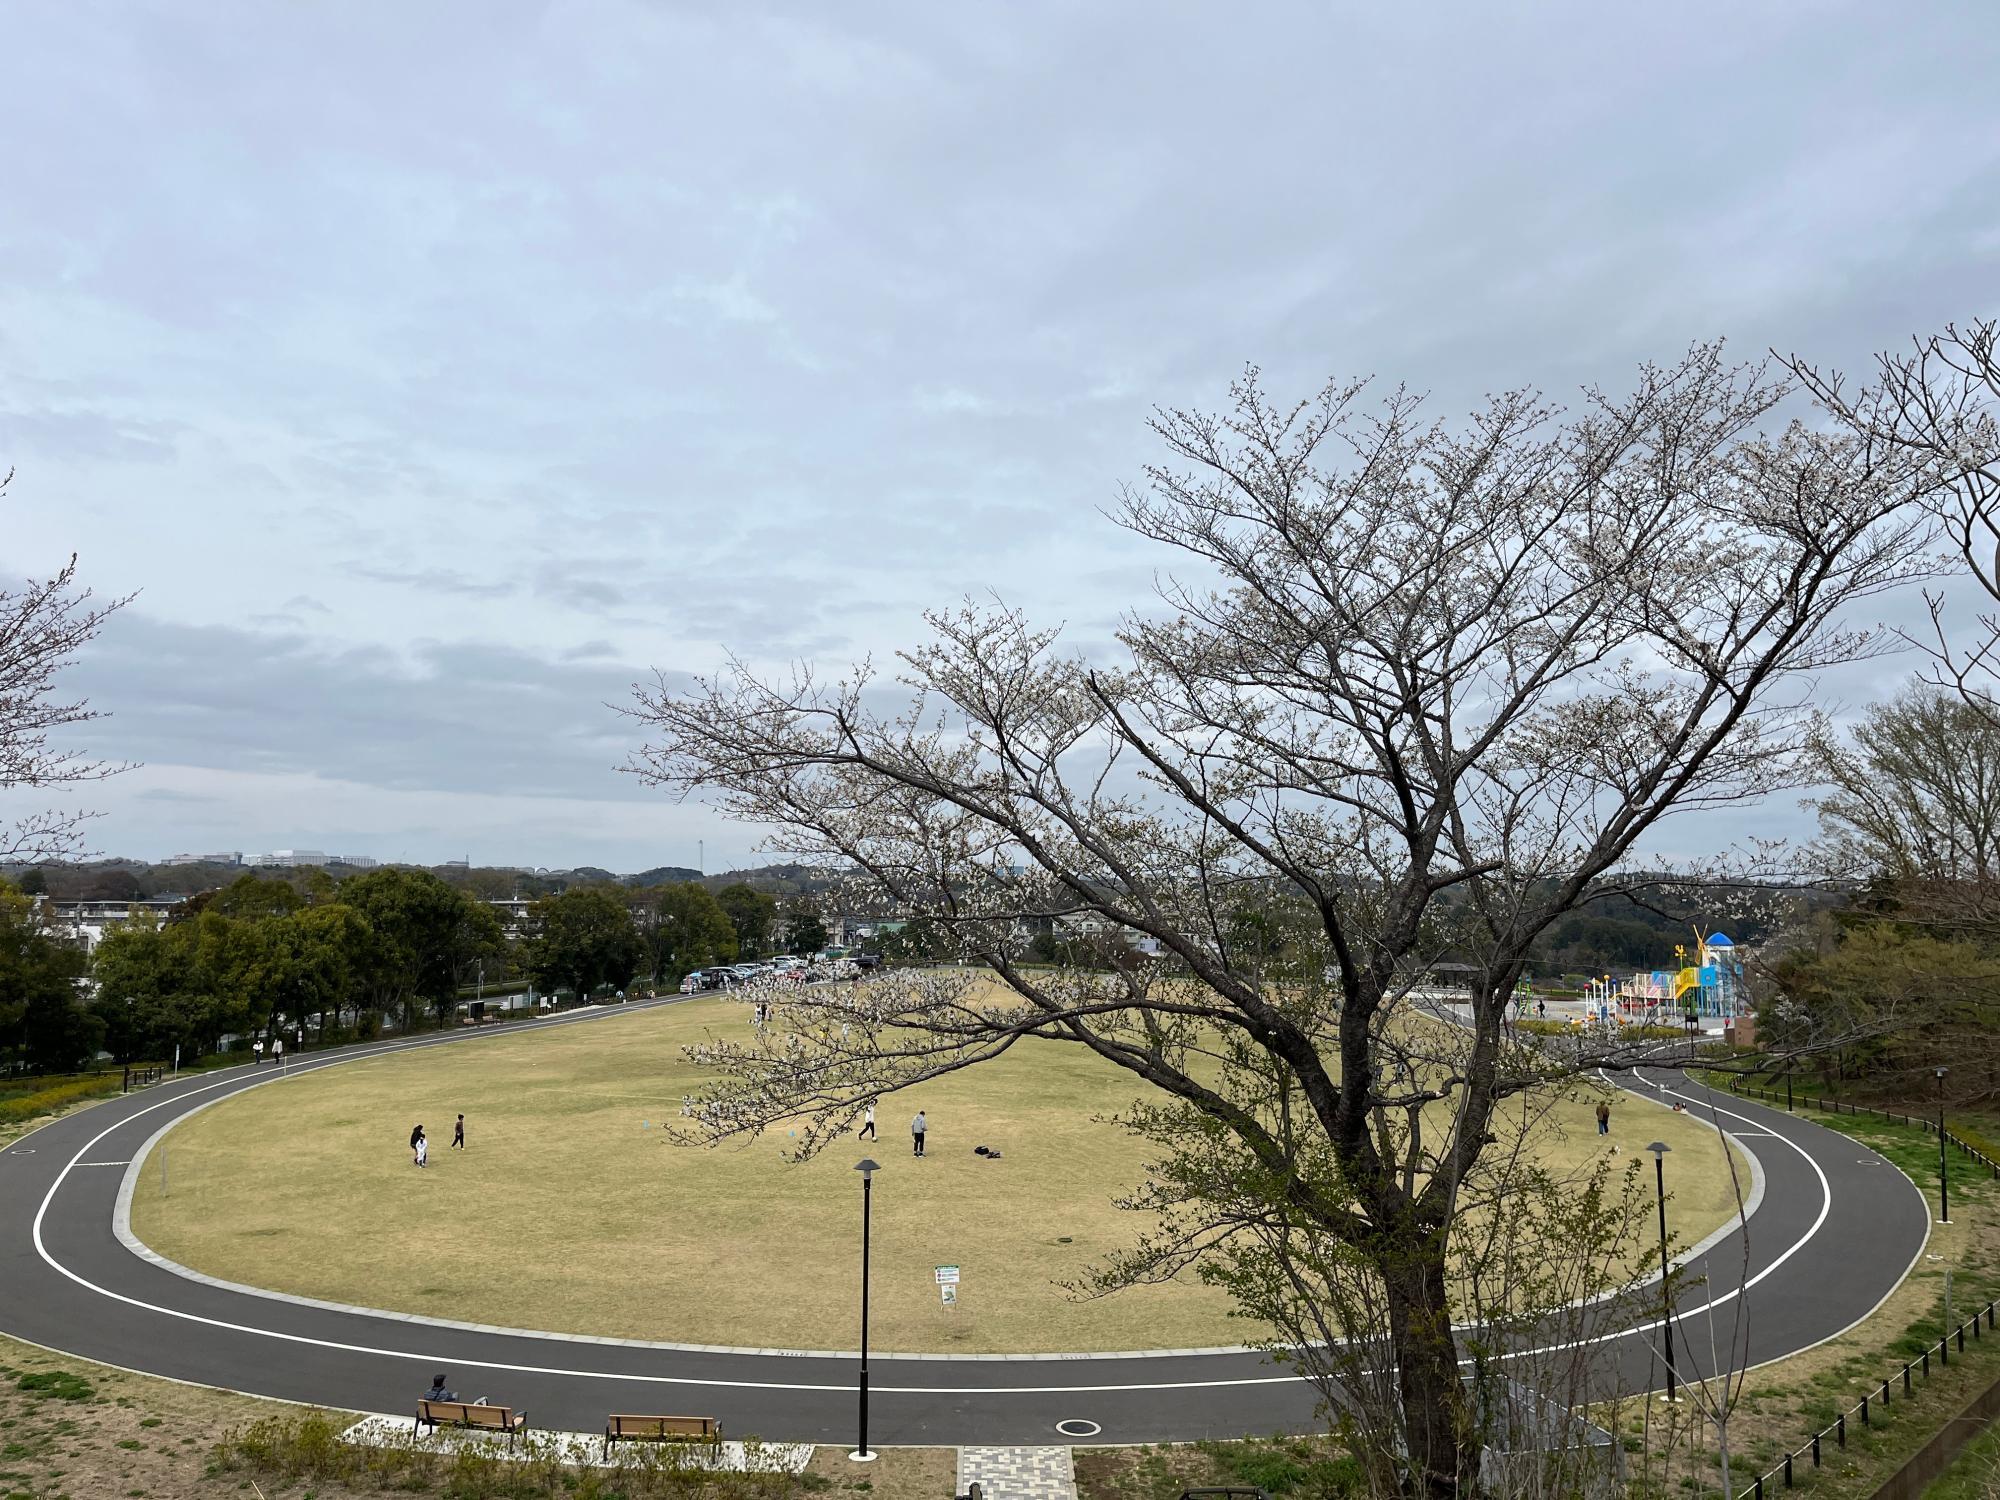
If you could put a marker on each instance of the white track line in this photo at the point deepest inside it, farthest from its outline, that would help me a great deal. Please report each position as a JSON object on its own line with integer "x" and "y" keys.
{"x": 460, "y": 1360}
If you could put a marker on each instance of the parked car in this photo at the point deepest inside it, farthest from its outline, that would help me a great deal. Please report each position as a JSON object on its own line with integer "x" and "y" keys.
{"x": 692, "y": 984}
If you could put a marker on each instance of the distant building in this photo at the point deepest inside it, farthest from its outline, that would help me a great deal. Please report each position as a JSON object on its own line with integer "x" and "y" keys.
{"x": 513, "y": 915}
{"x": 84, "y": 922}
{"x": 288, "y": 859}
{"x": 356, "y": 861}
{"x": 233, "y": 857}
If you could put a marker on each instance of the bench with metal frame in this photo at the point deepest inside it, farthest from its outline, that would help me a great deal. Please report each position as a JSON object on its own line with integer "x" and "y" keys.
{"x": 630, "y": 1428}
{"x": 471, "y": 1414}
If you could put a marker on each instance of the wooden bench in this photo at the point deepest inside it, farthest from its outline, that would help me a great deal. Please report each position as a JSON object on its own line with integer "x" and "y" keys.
{"x": 634, "y": 1429}
{"x": 467, "y": 1414}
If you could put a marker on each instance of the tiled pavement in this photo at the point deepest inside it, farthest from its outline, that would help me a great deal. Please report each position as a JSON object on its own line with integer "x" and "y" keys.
{"x": 1017, "y": 1473}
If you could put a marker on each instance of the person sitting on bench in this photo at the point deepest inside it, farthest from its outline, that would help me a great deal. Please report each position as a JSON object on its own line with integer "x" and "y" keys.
{"x": 437, "y": 1392}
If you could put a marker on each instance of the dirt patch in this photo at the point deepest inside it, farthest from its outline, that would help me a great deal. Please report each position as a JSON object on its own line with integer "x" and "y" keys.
{"x": 69, "y": 1428}
{"x": 899, "y": 1474}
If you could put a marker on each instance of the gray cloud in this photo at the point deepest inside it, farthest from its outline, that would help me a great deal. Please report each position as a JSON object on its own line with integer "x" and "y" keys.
{"x": 701, "y": 331}
{"x": 448, "y": 717}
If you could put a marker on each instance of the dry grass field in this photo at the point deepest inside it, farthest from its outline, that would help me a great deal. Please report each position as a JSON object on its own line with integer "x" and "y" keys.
{"x": 571, "y": 1211}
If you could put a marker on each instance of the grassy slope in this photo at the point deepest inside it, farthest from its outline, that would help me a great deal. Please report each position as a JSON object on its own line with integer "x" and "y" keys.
{"x": 571, "y": 1211}
{"x": 1784, "y": 1402}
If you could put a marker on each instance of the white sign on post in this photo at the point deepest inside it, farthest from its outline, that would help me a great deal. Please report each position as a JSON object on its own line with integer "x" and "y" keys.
{"x": 947, "y": 1280}
{"x": 950, "y": 1293}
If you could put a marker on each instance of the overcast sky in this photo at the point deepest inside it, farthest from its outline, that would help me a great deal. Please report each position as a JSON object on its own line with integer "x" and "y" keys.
{"x": 434, "y": 371}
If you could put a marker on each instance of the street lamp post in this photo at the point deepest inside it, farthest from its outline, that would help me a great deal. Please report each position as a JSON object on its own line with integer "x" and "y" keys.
{"x": 867, "y": 1167}
{"x": 1944, "y": 1172}
{"x": 1660, "y": 1150}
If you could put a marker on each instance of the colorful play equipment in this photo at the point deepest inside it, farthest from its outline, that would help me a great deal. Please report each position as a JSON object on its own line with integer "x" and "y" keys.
{"x": 1714, "y": 980}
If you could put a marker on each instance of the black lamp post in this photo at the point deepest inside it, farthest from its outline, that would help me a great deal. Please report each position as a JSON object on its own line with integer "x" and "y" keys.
{"x": 1944, "y": 1175}
{"x": 1660, "y": 1150}
{"x": 867, "y": 1167}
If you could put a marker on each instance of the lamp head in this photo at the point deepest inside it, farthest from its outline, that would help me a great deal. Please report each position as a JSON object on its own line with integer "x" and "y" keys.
{"x": 1659, "y": 1149}
{"x": 867, "y": 1167}
{"x": 1942, "y": 1071}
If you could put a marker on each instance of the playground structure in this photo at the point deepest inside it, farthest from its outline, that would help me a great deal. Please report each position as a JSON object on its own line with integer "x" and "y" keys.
{"x": 1714, "y": 981}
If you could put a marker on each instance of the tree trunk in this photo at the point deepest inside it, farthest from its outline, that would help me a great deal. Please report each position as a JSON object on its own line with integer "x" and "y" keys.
{"x": 1437, "y": 1428}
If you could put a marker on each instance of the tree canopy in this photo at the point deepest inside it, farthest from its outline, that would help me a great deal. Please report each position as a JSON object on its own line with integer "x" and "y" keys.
{"x": 581, "y": 939}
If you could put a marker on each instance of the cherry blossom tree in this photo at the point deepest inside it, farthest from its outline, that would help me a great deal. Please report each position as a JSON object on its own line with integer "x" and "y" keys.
{"x": 1418, "y": 690}
{"x": 43, "y": 625}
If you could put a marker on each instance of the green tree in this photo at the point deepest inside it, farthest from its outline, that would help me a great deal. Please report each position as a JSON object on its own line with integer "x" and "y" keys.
{"x": 42, "y": 1020}
{"x": 804, "y": 931}
{"x": 582, "y": 938}
{"x": 252, "y": 896}
{"x": 142, "y": 994}
{"x": 751, "y": 912}
{"x": 687, "y": 930}
{"x": 425, "y": 935}
{"x": 318, "y": 956}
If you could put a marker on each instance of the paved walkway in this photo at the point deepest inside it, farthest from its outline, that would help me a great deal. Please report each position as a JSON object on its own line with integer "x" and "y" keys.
{"x": 586, "y": 1449}
{"x": 1017, "y": 1473}
{"x": 1836, "y": 1230}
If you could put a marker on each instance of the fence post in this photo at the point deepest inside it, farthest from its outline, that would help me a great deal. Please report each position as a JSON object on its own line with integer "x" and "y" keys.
{"x": 1841, "y": 1425}
{"x": 1961, "y": 1338}
{"x": 1788, "y": 1471}
{"x": 1927, "y": 1364}
{"x": 1906, "y": 1379}
{"x": 1815, "y": 1450}
{"x": 1885, "y": 1393}
{"x": 1864, "y": 1413}
{"x": 1944, "y": 1350}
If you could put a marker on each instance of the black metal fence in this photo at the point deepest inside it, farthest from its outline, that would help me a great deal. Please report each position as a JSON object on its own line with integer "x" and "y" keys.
{"x": 1843, "y": 1107}
{"x": 1782, "y": 1474}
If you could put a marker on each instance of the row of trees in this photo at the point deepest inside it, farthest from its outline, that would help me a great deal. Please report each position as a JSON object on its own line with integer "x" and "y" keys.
{"x": 1905, "y": 977}
{"x": 605, "y": 935}
{"x": 262, "y": 953}
{"x": 265, "y": 954}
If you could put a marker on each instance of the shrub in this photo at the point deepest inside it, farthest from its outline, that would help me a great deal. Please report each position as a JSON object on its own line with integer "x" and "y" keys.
{"x": 56, "y": 1385}
{"x": 48, "y": 1100}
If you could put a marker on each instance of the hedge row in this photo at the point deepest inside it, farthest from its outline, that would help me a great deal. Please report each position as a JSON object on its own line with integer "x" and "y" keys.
{"x": 49, "y": 1100}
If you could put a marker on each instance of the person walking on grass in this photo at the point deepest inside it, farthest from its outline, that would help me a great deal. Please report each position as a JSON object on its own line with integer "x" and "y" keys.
{"x": 867, "y": 1123}
{"x": 458, "y": 1135}
{"x": 1603, "y": 1117}
{"x": 420, "y": 1149}
{"x": 917, "y": 1128}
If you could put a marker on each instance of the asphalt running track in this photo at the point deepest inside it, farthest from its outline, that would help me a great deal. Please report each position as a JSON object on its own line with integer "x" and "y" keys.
{"x": 1836, "y": 1229}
